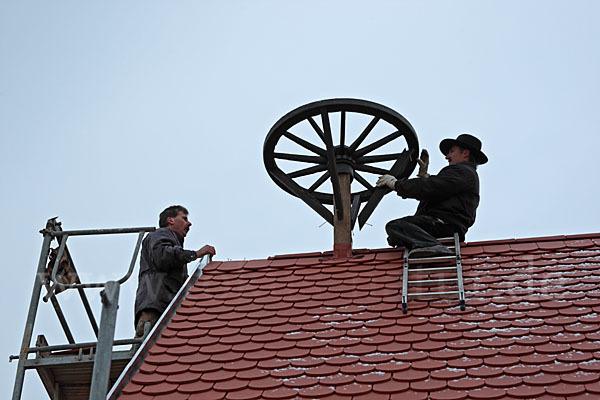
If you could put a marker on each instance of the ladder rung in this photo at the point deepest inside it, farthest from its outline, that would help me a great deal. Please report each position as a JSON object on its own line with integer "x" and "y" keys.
{"x": 429, "y": 260}
{"x": 446, "y": 239}
{"x": 424, "y": 282}
{"x": 431, "y": 270}
{"x": 432, "y": 293}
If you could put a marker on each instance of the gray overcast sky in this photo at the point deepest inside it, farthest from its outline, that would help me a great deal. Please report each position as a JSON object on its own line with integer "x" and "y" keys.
{"x": 111, "y": 111}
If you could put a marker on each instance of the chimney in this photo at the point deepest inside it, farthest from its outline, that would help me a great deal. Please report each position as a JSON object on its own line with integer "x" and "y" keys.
{"x": 342, "y": 221}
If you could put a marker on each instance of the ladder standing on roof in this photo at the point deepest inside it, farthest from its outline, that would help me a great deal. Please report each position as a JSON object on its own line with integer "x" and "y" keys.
{"x": 434, "y": 266}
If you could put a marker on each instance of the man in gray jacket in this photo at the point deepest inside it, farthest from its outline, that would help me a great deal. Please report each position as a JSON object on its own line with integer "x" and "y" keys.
{"x": 448, "y": 200}
{"x": 163, "y": 266}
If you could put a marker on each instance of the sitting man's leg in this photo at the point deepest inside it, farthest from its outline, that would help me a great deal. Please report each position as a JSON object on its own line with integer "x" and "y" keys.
{"x": 418, "y": 234}
{"x": 147, "y": 315}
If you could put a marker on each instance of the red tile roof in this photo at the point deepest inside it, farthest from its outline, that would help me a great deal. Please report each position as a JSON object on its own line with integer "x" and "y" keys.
{"x": 309, "y": 326}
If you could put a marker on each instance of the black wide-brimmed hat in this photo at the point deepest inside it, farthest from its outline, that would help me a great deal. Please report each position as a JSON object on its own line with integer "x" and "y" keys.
{"x": 465, "y": 141}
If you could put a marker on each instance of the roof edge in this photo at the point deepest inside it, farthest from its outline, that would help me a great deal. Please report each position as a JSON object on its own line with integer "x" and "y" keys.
{"x": 138, "y": 358}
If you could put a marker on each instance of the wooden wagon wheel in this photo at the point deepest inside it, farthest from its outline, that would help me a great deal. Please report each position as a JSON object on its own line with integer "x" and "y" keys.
{"x": 324, "y": 160}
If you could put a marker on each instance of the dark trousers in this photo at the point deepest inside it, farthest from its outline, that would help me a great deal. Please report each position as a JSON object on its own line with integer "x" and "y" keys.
{"x": 417, "y": 231}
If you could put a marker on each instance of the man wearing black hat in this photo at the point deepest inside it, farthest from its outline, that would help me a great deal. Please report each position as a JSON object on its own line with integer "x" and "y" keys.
{"x": 448, "y": 200}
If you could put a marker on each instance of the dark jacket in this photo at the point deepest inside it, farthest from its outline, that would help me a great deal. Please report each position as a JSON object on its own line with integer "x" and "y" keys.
{"x": 163, "y": 270}
{"x": 452, "y": 195}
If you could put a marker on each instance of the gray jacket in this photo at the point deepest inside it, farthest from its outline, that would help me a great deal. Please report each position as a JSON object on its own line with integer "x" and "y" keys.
{"x": 163, "y": 270}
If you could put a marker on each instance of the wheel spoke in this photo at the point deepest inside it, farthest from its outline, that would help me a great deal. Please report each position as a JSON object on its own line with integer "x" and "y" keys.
{"x": 300, "y": 158}
{"x": 335, "y": 182}
{"x": 363, "y": 181}
{"x": 379, "y": 158}
{"x": 302, "y": 194}
{"x": 307, "y": 171}
{"x": 305, "y": 144}
{"x": 319, "y": 182}
{"x": 354, "y": 209}
{"x": 364, "y": 134}
{"x": 376, "y": 196}
{"x": 317, "y": 128}
{"x": 343, "y": 129}
{"x": 372, "y": 170}
{"x": 377, "y": 144}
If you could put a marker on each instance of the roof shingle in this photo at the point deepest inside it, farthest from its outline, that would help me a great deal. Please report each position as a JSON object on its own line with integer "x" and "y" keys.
{"x": 310, "y": 326}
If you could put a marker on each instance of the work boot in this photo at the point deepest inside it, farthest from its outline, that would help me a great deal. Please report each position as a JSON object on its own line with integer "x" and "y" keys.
{"x": 432, "y": 251}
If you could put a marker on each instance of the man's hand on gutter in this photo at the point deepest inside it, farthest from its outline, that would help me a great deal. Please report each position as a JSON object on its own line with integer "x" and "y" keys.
{"x": 423, "y": 162}
{"x": 386, "y": 180}
{"x": 207, "y": 249}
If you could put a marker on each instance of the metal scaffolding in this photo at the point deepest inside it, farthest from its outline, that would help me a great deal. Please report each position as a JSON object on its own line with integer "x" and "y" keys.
{"x": 75, "y": 371}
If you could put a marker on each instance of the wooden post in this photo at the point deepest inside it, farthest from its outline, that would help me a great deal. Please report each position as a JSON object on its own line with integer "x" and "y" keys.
{"x": 342, "y": 230}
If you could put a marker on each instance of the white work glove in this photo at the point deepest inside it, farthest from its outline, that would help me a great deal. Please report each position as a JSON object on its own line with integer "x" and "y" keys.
{"x": 386, "y": 180}
{"x": 423, "y": 162}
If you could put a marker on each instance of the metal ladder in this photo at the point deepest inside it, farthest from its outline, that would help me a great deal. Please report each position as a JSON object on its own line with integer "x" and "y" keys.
{"x": 437, "y": 266}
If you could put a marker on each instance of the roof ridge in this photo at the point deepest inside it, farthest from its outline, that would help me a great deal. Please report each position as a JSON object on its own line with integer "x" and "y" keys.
{"x": 358, "y": 252}
{"x": 534, "y": 239}
{"x": 329, "y": 253}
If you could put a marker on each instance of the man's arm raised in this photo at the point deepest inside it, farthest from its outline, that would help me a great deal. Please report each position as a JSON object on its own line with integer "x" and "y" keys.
{"x": 423, "y": 162}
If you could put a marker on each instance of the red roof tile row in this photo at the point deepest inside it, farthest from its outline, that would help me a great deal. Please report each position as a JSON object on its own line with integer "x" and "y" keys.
{"x": 317, "y": 327}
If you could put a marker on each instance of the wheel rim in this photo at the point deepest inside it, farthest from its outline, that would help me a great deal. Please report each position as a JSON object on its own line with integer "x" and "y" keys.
{"x": 366, "y": 133}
